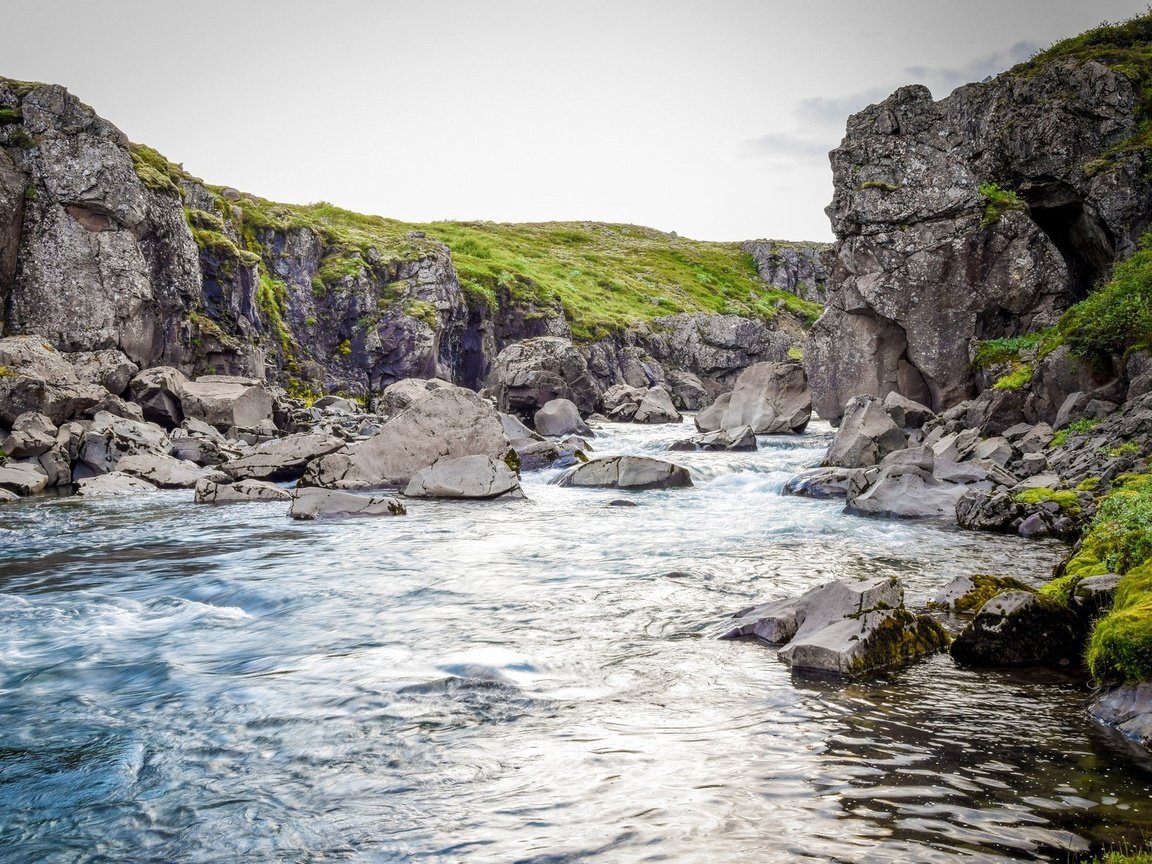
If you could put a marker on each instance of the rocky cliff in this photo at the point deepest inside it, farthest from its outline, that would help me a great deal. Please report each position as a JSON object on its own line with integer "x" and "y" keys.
{"x": 981, "y": 216}
{"x": 106, "y": 244}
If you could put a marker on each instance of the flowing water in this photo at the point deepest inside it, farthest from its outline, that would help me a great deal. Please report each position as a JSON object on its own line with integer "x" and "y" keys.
{"x": 509, "y": 681}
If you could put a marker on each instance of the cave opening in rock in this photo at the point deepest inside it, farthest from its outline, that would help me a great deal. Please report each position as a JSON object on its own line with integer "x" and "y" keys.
{"x": 1076, "y": 230}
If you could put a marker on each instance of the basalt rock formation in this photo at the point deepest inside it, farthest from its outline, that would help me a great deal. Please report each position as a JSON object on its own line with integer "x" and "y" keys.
{"x": 984, "y": 215}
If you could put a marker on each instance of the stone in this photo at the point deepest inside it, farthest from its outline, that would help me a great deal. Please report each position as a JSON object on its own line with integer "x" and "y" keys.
{"x": 622, "y": 395}
{"x": 311, "y": 503}
{"x": 1020, "y": 628}
{"x": 772, "y": 398}
{"x": 516, "y": 430}
{"x": 688, "y": 391}
{"x": 449, "y": 423}
{"x": 336, "y": 405}
{"x": 843, "y": 627}
{"x": 157, "y": 391}
{"x": 108, "y": 439}
{"x": 398, "y": 396}
{"x": 32, "y": 434}
{"x": 240, "y": 492}
{"x": 466, "y": 477}
{"x": 866, "y": 435}
{"x": 996, "y": 449}
{"x": 112, "y": 485}
{"x": 35, "y": 378}
{"x": 167, "y": 472}
{"x": 712, "y": 418}
{"x": 1036, "y": 440}
{"x": 21, "y": 478}
{"x": 117, "y": 406}
{"x": 966, "y": 594}
{"x": 224, "y": 401}
{"x": 533, "y": 372}
{"x": 1093, "y": 595}
{"x": 739, "y": 439}
{"x": 656, "y": 407}
{"x": 906, "y": 413}
{"x": 109, "y": 368}
{"x": 7, "y": 497}
{"x": 906, "y": 491}
{"x": 1129, "y": 709}
{"x": 282, "y": 458}
{"x": 559, "y": 417}
{"x": 821, "y": 483}
{"x": 627, "y": 472}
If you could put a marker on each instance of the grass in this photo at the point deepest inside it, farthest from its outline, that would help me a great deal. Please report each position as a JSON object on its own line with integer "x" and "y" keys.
{"x": 155, "y": 171}
{"x": 1018, "y": 378}
{"x": 1082, "y": 426}
{"x": 882, "y": 185}
{"x": 1068, "y": 501}
{"x": 1117, "y": 317}
{"x": 11, "y": 115}
{"x": 999, "y": 201}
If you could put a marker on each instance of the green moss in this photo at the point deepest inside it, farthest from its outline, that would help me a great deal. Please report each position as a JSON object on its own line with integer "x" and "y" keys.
{"x": 20, "y": 138}
{"x": 6, "y": 372}
{"x": 1010, "y": 349}
{"x": 155, "y": 171}
{"x": 796, "y": 353}
{"x": 900, "y": 637}
{"x": 1083, "y": 426}
{"x": 30, "y": 193}
{"x": 1068, "y": 500}
{"x": 9, "y": 116}
{"x": 204, "y": 219}
{"x": 1128, "y": 448}
{"x": 984, "y": 588}
{"x": 999, "y": 201}
{"x": 319, "y": 289}
{"x": 1124, "y": 858}
{"x": 222, "y": 247}
{"x": 297, "y": 389}
{"x": 423, "y": 311}
{"x": 340, "y": 266}
{"x": 1120, "y": 648}
{"x": 1087, "y": 484}
{"x": 272, "y": 298}
{"x": 1018, "y": 378}
{"x": 1117, "y": 317}
{"x": 344, "y": 348}
{"x": 882, "y": 185}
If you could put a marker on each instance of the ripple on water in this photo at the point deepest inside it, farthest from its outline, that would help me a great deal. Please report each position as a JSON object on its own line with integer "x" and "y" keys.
{"x": 516, "y": 681}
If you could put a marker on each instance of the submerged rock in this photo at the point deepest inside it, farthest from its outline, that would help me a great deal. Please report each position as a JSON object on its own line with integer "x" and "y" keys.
{"x": 1020, "y": 628}
{"x": 240, "y": 492}
{"x": 739, "y": 439}
{"x": 821, "y": 483}
{"x": 627, "y": 472}
{"x": 1129, "y": 709}
{"x": 313, "y": 503}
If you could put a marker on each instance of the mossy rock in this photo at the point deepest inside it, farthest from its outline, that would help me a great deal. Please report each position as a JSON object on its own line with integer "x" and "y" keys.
{"x": 1020, "y": 628}
{"x": 966, "y": 594}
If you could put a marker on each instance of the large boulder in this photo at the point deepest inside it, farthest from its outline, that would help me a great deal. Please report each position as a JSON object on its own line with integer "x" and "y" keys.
{"x": 531, "y": 373}
{"x": 108, "y": 439}
{"x": 32, "y": 434}
{"x": 866, "y": 435}
{"x": 449, "y": 423}
{"x": 559, "y": 417}
{"x": 109, "y": 368}
{"x": 240, "y": 492}
{"x": 1020, "y": 628}
{"x": 711, "y": 418}
{"x": 688, "y": 391}
{"x": 167, "y": 472}
{"x": 318, "y": 503}
{"x": 396, "y": 397}
{"x": 627, "y": 472}
{"x": 21, "y": 478}
{"x": 656, "y": 407}
{"x": 843, "y": 627}
{"x": 282, "y": 458}
{"x": 157, "y": 391}
{"x": 772, "y": 398}
{"x": 466, "y": 477}
{"x": 112, "y": 485}
{"x": 224, "y": 401}
{"x": 34, "y": 377}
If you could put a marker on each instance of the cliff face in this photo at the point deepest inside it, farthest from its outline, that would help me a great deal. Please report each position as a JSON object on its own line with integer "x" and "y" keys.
{"x": 981, "y": 216}
{"x": 106, "y": 244}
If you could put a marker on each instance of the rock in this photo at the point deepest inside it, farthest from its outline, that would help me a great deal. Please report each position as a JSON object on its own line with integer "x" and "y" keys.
{"x": 560, "y": 417}
{"x": 622, "y": 502}
{"x": 109, "y": 439}
{"x": 21, "y": 478}
{"x": 515, "y": 430}
{"x": 35, "y": 378}
{"x": 906, "y": 413}
{"x": 31, "y": 435}
{"x": 712, "y": 418}
{"x": 967, "y": 594}
{"x": 1035, "y": 440}
{"x": 843, "y": 627}
{"x": 738, "y": 439}
{"x": 622, "y": 395}
{"x": 240, "y": 492}
{"x": 905, "y": 491}
{"x": 533, "y": 372}
{"x": 866, "y": 435}
{"x": 996, "y": 449}
{"x": 656, "y": 407}
{"x": 772, "y": 398}
{"x": 167, "y": 472}
{"x": 821, "y": 483}
{"x": 112, "y": 485}
{"x": 118, "y": 407}
{"x": 336, "y": 405}
{"x": 1093, "y": 595}
{"x": 466, "y": 477}
{"x": 798, "y": 268}
{"x": 1128, "y": 709}
{"x": 627, "y": 472}
{"x": 396, "y": 397}
{"x": 157, "y": 391}
{"x": 1020, "y": 628}
{"x": 688, "y": 391}
{"x": 282, "y": 458}
{"x": 7, "y": 497}
{"x": 318, "y": 503}
{"x": 108, "y": 368}
{"x": 223, "y": 401}
{"x": 449, "y": 423}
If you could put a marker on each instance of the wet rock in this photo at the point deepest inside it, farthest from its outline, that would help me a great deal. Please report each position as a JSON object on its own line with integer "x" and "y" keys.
{"x": 627, "y": 472}
{"x": 622, "y": 502}
{"x": 318, "y": 503}
{"x": 108, "y": 439}
{"x": 739, "y": 439}
{"x": 821, "y": 483}
{"x": 282, "y": 458}
{"x": 967, "y": 594}
{"x": 712, "y": 418}
{"x": 560, "y": 417}
{"x": 112, "y": 485}
{"x": 656, "y": 407}
{"x": 905, "y": 491}
{"x": 1020, "y": 628}
{"x": 167, "y": 472}
{"x": 240, "y": 492}
{"x": 21, "y": 478}
{"x": 466, "y": 477}
{"x": 1128, "y": 709}
{"x": 7, "y": 497}
{"x": 622, "y": 396}
{"x": 772, "y": 398}
{"x": 866, "y": 435}
{"x": 516, "y": 430}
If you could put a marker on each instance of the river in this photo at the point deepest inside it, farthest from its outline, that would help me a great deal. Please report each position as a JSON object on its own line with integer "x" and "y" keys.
{"x": 517, "y": 681}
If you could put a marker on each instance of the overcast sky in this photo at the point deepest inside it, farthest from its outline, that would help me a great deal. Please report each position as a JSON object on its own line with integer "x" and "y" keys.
{"x": 712, "y": 118}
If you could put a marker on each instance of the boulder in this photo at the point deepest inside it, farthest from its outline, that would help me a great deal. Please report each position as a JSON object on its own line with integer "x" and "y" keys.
{"x": 622, "y": 395}
{"x": 968, "y": 593}
{"x": 336, "y": 405}
{"x": 772, "y": 398}
{"x": 533, "y": 372}
{"x": 866, "y": 435}
{"x": 36, "y": 378}
{"x": 20, "y": 478}
{"x": 906, "y": 413}
{"x": 112, "y": 485}
{"x": 32, "y": 434}
{"x": 1093, "y": 595}
{"x": 739, "y": 439}
{"x": 109, "y": 368}
{"x": 396, "y": 397}
{"x": 167, "y": 472}
{"x": 117, "y": 406}
{"x": 821, "y": 483}
{"x": 560, "y": 417}
{"x": 109, "y": 439}
{"x": 223, "y": 401}
{"x": 282, "y": 458}
{"x": 688, "y": 391}
{"x": 627, "y": 472}
{"x": 905, "y": 491}
{"x": 1128, "y": 709}
{"x": 516, "y": 430}
{"x": 466, "y": 477}
{"x": 317, "y": 503}
{"x": 449, "y": 423}
{"x": 842, "y": 627}
{"x": 6, "y": 496}
{"x": 656, "y": 407}
{"x": 1020, "y": 628}
{"x": 240, "y": 492}
{"x": 712, "y": 417}
{"x": 157, "y": 391}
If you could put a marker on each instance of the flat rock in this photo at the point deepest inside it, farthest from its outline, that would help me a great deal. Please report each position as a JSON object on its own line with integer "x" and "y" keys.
{"x": 113, "y": 484}
{"x": 311, "y": 503}
{"x": 239, "y": 492}
{"x": 167, "y": 472}
{"x": 21, "y": 478}
{"x": 627, "y": 472}
{"x": 283, "y": 458}
{"x": 968, "y": 593}
{"x": 467, "y": 477}
{"x": 226, "y": 402}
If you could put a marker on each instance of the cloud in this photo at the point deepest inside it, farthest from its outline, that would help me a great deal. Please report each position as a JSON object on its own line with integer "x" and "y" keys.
{"x": 784, "y": 145}
{"x": 833, "y": 111}
{"x": 948, "y": 78}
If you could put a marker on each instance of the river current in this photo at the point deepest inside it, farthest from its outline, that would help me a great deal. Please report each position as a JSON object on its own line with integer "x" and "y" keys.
{"x": 517, "y": 681}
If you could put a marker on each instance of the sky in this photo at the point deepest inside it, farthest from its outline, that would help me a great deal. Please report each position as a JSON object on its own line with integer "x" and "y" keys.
{"x": 712, "y": 118}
